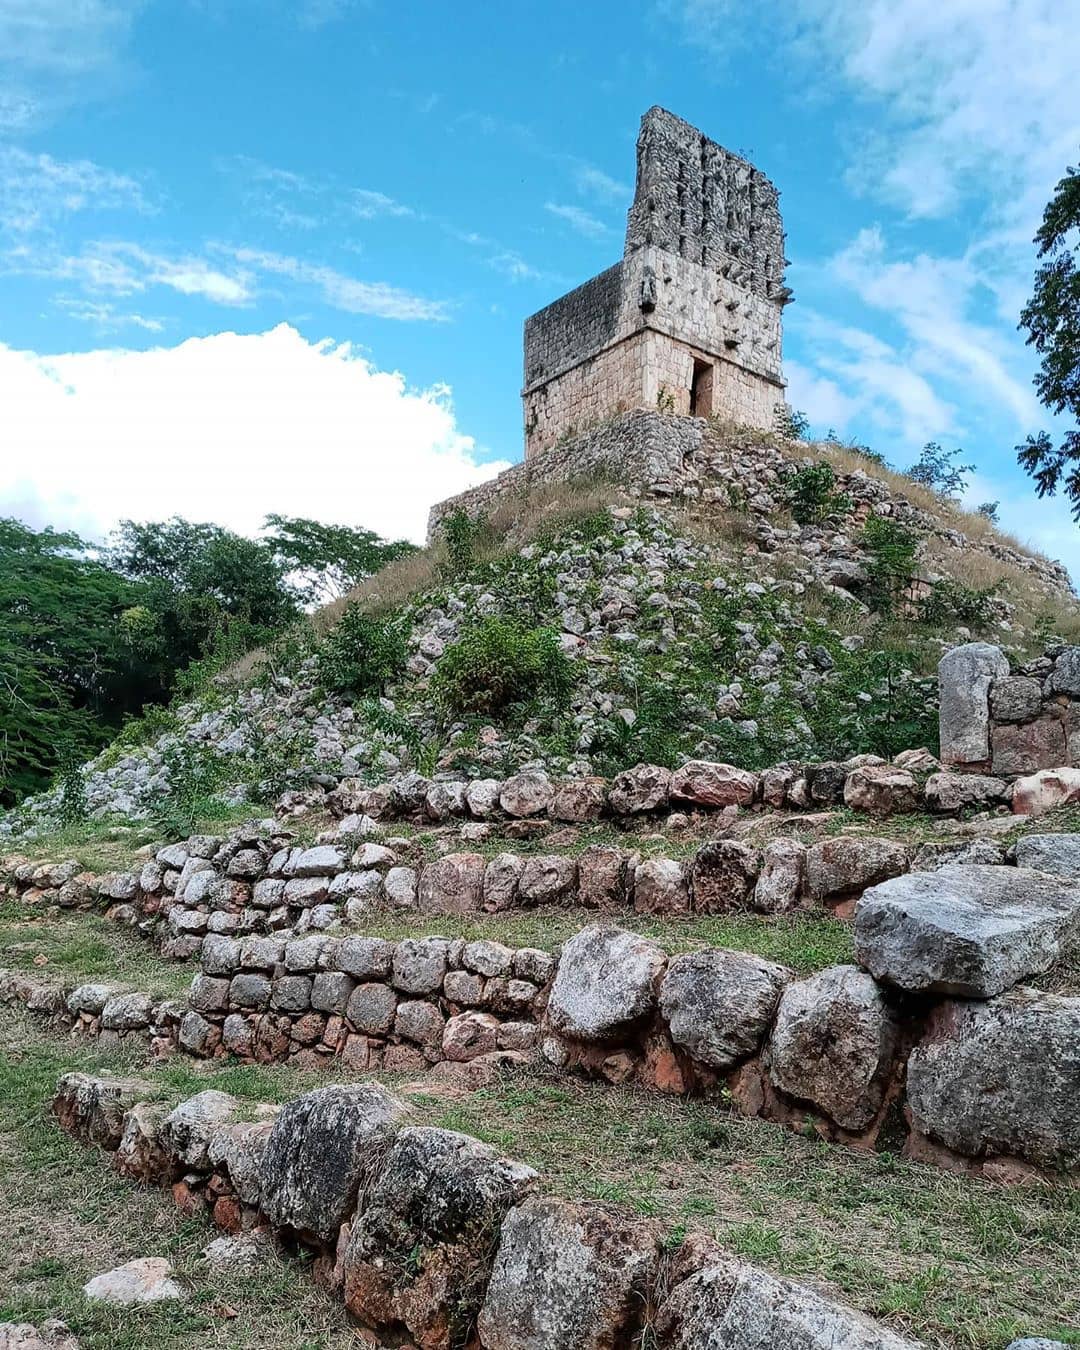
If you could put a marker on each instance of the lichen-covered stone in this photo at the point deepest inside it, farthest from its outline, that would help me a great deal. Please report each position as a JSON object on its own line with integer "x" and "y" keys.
{"x": 841, "y": 867}
{"x": 453, "y": 884}
{"x": 92, "y": 1108}
{"x": 967, "y": 931}
{"x": 418, "y": 1252}
{"x": 419, "y": 965}
{"x": 1056, "y": 853}
{"x": 881, "y": 790}
{"x": 732, "y": 1306}
{"x": 547, "y": 879}
{"x": 321, "y": 1149}
{"x": 566, "y": 1277}
{"x": 780, "y": 881}
{"x": 705, "y": 783}
{"x": 723, "y": 875}
{"x": 661, "y": 886}
{"x": 965, "y": 675}
{"x": 833, "y": 1044}
{"x": 603, "y": 876}
{"x": 1001, "y": 1076}
{"x": 645, "y": 787}
{"x": 186, "y": 1130}
{"x": 606, "y": 984}
{"x": 718, "y": 1004}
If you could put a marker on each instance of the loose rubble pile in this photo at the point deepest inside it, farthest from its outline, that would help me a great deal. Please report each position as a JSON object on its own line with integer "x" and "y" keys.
{"x": 431, "y": 1236}
{"x": 750, "y": 638}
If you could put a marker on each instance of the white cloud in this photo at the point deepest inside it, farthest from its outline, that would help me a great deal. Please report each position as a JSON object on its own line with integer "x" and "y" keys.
{"x": 369, "y": 205}
{"x": 122, "y": 268}
{"x": 227, "y": 428}
{"x": 595, "y": 182}
{"x": 931, "y": 298}
{"x": 318, "y": 13}
{"x": 579, "y": 220}
{"x": 857, "y": 375}
{"x": 345, "y": 292}
{"x": 105, "y": 317}
{"x": 36, "y": 189}
{"x": 56, "y": 52}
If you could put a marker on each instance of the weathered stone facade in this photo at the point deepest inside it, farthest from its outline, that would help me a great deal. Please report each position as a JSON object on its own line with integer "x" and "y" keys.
{"x": 690, "y": 321}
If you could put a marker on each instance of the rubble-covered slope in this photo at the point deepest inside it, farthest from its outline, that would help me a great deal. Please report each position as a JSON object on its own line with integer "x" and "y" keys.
{"x": 710, "y": 624}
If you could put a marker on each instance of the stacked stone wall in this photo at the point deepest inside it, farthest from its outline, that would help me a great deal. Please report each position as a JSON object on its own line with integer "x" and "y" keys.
{"x": 1006, "y": 723}
{"x": 435, "y": 1239}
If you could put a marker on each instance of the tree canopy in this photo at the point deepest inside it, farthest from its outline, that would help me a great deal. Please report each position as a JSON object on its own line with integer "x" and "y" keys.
{"x": 1052, "y": 320}
{"x": 90, "y": 636}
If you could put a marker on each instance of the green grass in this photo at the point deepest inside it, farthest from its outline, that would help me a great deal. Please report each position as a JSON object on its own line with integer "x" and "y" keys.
{"x": 958, "y": 1263}
{"x": 68, "y": 1217}
{"x": 805, "y": 942}
{"x": 73, "y": 946}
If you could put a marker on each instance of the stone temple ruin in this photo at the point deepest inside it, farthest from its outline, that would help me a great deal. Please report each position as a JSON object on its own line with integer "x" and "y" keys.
{"x": 689, "y": 322}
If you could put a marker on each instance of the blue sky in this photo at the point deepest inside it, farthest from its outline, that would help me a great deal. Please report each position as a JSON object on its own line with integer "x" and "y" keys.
{"x": 401, "y": 184}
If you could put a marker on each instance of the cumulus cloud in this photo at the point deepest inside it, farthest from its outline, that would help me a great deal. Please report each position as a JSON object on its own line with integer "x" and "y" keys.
{"x": 226, "y": 428}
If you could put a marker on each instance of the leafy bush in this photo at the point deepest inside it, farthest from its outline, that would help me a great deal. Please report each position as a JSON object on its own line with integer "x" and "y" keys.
{"x": 195, "y": 773}
{"x": 812, "y": 497}
{"x": 935, "y": 468}
{"x": 892, "y": 548}
{"x": 950, "y": 602}
{"x": 989, "y": 511}
{"x": 875, "y": 703}
{"x": 790, "y": 423}
{"x": 361, "y": 655}
{"x": 500, "y": 664}
{"x": 460, "y": 531}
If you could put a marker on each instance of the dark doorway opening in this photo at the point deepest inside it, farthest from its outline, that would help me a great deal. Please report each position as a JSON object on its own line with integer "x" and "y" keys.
{"x": 701, "y": 390}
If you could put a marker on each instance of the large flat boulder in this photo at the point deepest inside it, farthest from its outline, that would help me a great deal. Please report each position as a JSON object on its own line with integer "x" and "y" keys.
{"x": 566, "y": 1277}
{"x": 732, "y": 1306}
{"x": 321, "y": 1149}
{"x": 718, "y": 1004}
{"x": 969, "y": 931}
{"x": 1001, "y": 1077}
{"x": 606, "y": 984}
{"x": 419, "y": 1251}
{"x": 833, "y": 1045}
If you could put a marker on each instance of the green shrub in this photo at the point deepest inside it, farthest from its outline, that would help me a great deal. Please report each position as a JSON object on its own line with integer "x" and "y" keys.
{"x": 875, "y": 703}
{"x": 892, "y": 548}
{"x": 196, "y": 773}
{"x": 812, "y": 497}
{"x": 790, "y": 423}
{"x": 950, "y": 602}
{"x": 460, "y": 532}
{"x": 361, "y": 655}
{"x": 500, "y": 664}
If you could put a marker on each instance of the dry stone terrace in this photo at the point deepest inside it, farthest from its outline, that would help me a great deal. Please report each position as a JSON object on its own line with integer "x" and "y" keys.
{"x": 937, "y": 1038}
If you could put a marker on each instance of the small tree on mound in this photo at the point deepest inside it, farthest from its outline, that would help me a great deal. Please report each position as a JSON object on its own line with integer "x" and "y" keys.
{"x": 361, "y": 655}
{"x": 500, "y": 664}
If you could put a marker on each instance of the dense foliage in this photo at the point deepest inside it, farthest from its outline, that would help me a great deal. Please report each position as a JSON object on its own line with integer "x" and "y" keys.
{"x": 361, "y": 654}
{"x": 90, "y": 637}
{"x": 1052, "y": 320}
{"x": 500, "y": 664}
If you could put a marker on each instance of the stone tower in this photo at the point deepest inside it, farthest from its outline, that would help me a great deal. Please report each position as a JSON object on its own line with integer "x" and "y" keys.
{"x": 689, "y": 322}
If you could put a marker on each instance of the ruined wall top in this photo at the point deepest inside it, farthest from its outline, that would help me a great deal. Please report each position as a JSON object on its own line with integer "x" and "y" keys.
{"x": 698, "y": 200}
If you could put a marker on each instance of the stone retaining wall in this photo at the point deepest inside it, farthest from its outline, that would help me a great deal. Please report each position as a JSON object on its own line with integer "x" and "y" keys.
{"x": 932, "y": 1038}
{"x": 434, "y": 1239}
{"x": 1010, "y": 724}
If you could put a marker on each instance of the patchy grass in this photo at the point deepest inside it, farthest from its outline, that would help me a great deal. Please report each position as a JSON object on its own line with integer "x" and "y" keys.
{"x": 120, "y": 845}
{"x": 75, "y": 946}
{"x": 805, "y": 942}
{"x": 961, "y": 1264}
{"x": 956, "y": 1262}
{"x": 67, "y": 1217}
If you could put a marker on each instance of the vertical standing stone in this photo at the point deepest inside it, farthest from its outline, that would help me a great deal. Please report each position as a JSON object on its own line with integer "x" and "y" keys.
{"x": 965, "y": 675}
